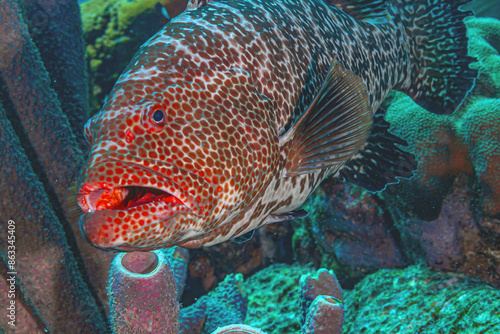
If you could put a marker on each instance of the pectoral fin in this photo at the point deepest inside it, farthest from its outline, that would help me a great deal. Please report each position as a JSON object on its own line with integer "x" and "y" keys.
{"x": 333, "y": 128}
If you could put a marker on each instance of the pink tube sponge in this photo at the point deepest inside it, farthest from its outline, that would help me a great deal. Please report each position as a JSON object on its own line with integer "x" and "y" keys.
{"x": 325, "y": 316}
{"x": 238, "y": 329}
{"x": 143, "y": 297}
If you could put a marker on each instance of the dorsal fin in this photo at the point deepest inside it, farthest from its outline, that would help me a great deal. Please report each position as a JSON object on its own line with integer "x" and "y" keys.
{"x": 333, "y": 128}
{"x": 366, "y": 10}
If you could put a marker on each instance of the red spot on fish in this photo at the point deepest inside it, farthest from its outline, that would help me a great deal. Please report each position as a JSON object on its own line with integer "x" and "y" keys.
{"x": 129, "y": 136}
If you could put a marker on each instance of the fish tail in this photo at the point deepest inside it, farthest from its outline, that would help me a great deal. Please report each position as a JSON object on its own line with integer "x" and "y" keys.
{"x": 440, "y": 77}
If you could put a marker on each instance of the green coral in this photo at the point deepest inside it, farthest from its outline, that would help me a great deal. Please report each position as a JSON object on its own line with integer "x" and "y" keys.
{"x": 465, "y": 142}
{"x": 113, "y": 31}
{"x": 420, "y": 300}
{"x": 273, "y": 298}
{"x": 480, "y": 128}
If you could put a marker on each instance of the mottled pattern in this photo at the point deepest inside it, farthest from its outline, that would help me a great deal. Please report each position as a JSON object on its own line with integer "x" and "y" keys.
{"x": 229, "y": 77}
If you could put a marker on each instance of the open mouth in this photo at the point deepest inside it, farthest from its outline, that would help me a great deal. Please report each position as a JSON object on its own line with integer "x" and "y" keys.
{"x": 124, "y": 198}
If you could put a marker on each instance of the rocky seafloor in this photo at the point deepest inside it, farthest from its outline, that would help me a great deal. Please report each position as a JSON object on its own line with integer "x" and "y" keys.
{"x": 421, "y": 257}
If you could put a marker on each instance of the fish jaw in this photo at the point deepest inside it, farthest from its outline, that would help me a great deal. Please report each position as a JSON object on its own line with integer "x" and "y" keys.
{"x": 133, "y": 229}
{"x": 123, "y": 214}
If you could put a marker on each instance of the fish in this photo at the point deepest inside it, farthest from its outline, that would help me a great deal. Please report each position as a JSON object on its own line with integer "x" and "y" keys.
{"x": 231, "y": 115}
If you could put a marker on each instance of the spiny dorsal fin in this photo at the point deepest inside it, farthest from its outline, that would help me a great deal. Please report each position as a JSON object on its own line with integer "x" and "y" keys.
{"x": 381, "y": 161}
{"x": 333, "y": 128}
{"x": 366, "y": 10}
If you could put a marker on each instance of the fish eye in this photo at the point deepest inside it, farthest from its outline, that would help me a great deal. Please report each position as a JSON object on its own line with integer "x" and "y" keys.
{"x": 158, "y": 117}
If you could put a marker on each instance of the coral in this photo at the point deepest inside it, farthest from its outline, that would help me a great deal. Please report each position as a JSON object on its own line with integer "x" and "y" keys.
{"x": 227, "y": 304}
{"x": 274, "y": 293}
{"x": 340, "y": 215}
{"x": 420, "y": 300}
{"x": 441, "y": 155}
{"x": 479, "y": 128}
{"x": 178, "y": 259}
{"x": 277, "y": 304}
{"x": 113, "y": 31}
{"x": 143, "y": 296}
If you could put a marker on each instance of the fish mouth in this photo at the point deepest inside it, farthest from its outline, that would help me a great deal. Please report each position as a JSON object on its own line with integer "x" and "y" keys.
{"x": 125, "y": 198}
{"x": 120, "y": 206}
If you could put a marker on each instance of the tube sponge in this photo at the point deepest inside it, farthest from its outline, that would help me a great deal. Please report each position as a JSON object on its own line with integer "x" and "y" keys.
{"x": 238, "y": 329}
{"x": 325, "y": 316}
{"x": 143, "y": 297}
{"x": 321, "y": 303}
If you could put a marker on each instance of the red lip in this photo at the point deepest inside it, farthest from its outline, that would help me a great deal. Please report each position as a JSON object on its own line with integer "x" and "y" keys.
{"x": 97, "y": 196}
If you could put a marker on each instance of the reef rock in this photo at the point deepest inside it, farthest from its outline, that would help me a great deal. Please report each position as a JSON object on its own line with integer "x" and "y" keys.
{"x": 420, "y": 300}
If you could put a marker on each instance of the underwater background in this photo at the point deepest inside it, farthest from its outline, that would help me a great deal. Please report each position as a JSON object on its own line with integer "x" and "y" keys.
{"x": 421, "y": 257}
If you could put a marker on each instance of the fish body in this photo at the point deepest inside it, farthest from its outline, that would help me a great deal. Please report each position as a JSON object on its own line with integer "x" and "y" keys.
{"x": 231, "y": 116}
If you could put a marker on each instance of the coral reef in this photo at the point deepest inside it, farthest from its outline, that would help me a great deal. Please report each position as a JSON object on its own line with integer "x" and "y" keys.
{"x": 274, "y": 293}
{"x": 225, "y": 305}
{"x": 447, "y": 216}
{"x": 143, "y": 296}
{"x": 278, "y": 303}
{"x": 340, "y": 216}
{"x": 113, "y": 31}
{"x": 420, "y": 300}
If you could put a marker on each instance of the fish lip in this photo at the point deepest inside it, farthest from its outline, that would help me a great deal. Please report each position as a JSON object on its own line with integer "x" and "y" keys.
{"x": 90, "y": 226}
{"x": 81, "y": 226}
{"x": 89, "y": 205}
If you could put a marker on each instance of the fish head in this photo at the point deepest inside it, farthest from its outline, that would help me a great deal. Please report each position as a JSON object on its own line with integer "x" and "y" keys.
{"x": 173, "y": 162}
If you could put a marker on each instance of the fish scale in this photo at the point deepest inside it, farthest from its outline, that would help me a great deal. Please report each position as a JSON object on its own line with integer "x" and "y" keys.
{"x": 207, "y": 123}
